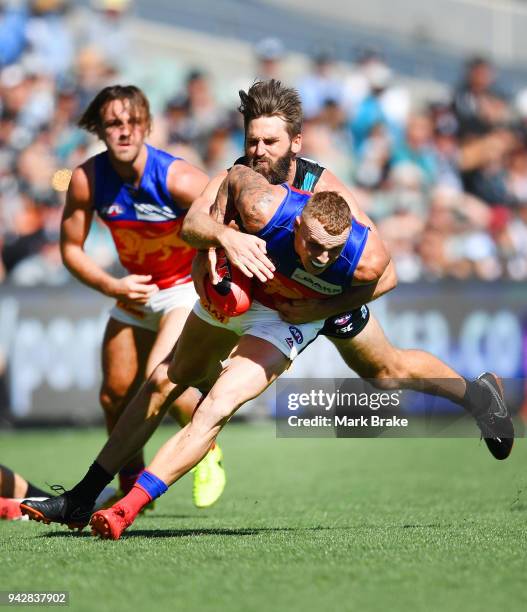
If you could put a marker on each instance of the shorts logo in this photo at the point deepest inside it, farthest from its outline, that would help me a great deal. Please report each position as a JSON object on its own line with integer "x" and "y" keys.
{"x": 345, "y": 330}
{"x": 343, "y": 319}
{"x": 297, "y": 334}
{"x": 364, "y": 311}
{"x": 290, "y": 342}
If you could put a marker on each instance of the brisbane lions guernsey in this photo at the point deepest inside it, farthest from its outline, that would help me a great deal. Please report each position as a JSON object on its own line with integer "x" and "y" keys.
{"x": 291, "y": 281}
{"x": 145, "y": 222}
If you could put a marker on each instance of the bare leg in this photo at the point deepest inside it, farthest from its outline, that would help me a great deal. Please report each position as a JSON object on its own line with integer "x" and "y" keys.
{"x": 124, "y": 357}
{"x": 14, "y": 486}
{"x": 372, "y": 356}
{"x": 146, "y": 410}
{"x": 254, "y": 361}
{"x": 147, "y": 407}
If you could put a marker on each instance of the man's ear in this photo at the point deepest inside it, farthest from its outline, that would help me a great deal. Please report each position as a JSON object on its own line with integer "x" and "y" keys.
{"x": 296, "y": 143}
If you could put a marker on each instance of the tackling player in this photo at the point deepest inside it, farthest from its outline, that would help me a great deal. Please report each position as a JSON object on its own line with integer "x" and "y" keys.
{"x": 273, "y": 118}
{"x": 142, "y": 195}
{"x": 308, "y": 237}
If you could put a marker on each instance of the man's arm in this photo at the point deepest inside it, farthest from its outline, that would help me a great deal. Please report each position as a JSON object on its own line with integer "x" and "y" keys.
{"x": 304, "y": 311}
{"x": 204, "y": 228}
{"x": 75, "y": 226}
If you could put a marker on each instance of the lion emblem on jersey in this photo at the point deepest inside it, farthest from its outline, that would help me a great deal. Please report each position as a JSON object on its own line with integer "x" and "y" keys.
{"x": 135, "y": 246}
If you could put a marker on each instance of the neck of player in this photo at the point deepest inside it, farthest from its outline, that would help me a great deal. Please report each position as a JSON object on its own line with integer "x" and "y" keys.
{"x": 131, "y": 172}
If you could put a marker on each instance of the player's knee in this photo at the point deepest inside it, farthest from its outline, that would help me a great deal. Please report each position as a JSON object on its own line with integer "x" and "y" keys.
{"x": 180, "y": 374}
{"x": 111, "y": 400}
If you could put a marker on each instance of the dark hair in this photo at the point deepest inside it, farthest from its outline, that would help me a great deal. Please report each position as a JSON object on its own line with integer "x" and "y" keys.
{"x": 331, "y": 209}
{"x": 272, "y": 99}
{"x": 91, "y": 119}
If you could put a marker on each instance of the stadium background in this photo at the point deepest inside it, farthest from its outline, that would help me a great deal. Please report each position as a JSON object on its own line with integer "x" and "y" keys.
{"x": 433, "y": 139}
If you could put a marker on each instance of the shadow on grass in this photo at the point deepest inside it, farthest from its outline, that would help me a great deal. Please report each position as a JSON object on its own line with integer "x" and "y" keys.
{"x": 185, "y": 533}
{"x": 250, "y": 531}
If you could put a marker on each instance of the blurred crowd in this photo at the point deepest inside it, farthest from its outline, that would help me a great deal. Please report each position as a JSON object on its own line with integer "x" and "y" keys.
{"x": 445, "y": 179}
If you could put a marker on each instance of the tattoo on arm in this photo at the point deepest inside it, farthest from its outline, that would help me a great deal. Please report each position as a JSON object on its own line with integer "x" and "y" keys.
{"x": 252, "y": 196}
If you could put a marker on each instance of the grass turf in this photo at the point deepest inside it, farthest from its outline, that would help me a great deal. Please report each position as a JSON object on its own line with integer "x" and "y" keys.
{"x": 303, "y": 525}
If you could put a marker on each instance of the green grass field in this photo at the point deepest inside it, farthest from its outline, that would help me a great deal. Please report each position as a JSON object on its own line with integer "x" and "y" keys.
{"x": 303, "y": 525}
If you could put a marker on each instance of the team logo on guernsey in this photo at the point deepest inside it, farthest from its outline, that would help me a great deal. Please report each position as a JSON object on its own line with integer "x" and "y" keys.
{"x": 297, "y": 334}
{"x": 315, "y": 283}
{"x": 114, "y": 210}
{"x": 153, "y": 212}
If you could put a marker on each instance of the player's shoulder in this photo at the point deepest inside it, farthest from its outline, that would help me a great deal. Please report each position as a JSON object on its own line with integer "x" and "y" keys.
{"x": 83, "y": 174}
{"x": 308, "y": 173}
{"x": 81, "y": 183}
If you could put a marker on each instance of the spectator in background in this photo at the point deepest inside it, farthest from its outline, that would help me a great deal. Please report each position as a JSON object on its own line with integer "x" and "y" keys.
{"x": 482, "y": 163}
{"x": 108, "y": 29}
{"x": 382, "y": 105}
{"x": 416, "y": 148}
{"x": 221, "y": 148}
{"x": 91, "y": 73}
{"x": 269, "y": 54}
{"x": 478, "y": 105}
{"x": 373, "y": 157}
{"x": 13, "y": 23}
{"x": 268, "y": 63}
{"x": 49, "y": 38}
{"x": 446, "y": 146}
{"x": 203, "y": 111}
{"x": 356, "y": 86}
{"x": 320, "y": 85}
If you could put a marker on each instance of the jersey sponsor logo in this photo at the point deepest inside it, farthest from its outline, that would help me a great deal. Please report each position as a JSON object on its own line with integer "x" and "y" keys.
{"x": 343, "y": 319}
{"x": 297, "y": 334}
{"x": 313, "y": 282}
{"x": 153, "y": 212}
{"x": 114, "y": 210}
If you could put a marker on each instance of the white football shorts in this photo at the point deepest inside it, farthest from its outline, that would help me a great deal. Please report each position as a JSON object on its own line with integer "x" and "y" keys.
{"x": 150, "y": 314}
{"x": 266, "y": 323}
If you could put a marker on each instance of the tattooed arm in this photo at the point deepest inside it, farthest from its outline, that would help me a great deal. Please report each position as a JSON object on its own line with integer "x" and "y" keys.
{"x": 255, "y": 199}
{"x": 204, "y": 228}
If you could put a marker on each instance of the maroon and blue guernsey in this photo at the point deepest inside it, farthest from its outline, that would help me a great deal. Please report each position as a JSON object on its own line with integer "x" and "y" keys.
{"x": 145, "y": 222}
{"x": 291, "y": 280}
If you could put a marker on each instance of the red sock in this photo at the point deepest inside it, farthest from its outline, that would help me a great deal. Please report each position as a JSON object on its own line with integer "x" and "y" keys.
{"x": 135, "y": 501}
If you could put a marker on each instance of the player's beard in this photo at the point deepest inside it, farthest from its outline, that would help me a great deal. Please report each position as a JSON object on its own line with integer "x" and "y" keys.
{"x": 277, "y": 172}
